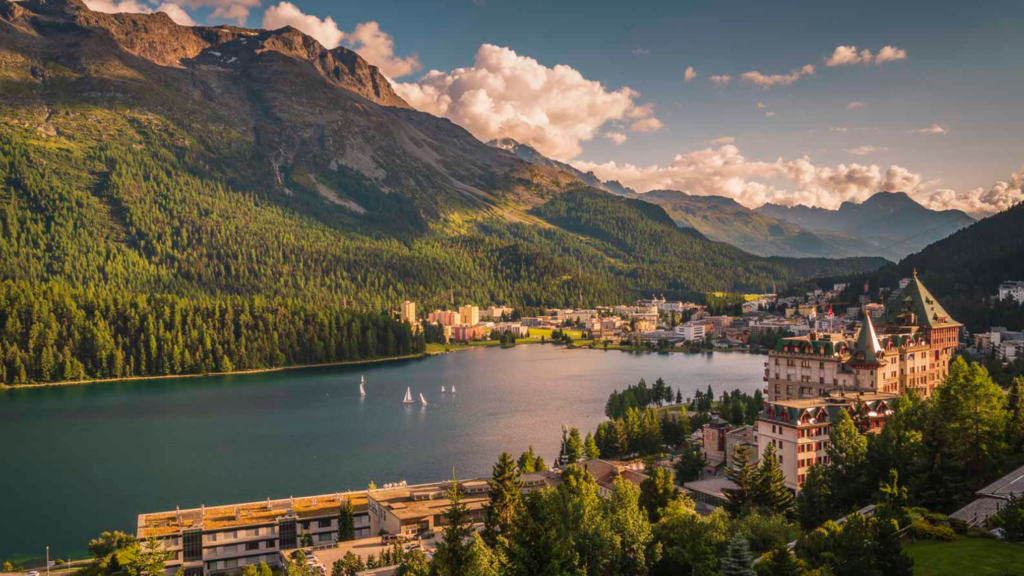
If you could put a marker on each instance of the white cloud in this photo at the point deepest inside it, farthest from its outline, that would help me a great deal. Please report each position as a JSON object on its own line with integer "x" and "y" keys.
{"x": 690, "y": 74}
{"x": 236, "y": 11}
{"x": 855, "y": 105}
{"x": 979, "y": 201}
{"x": 373, "y": 44}
{"x": 723, "y": 171}
{"x": 865, "y": 150}
{"x": 933, "y": 129}
{"x": 504, "y": 94}
{"x": 177, "y": 13}
{"x": 847, "y": 55}
{"x": 761, "y": 105}
{"x": 325, "y": 31}
{"x": 890, "y": 54}
{"x": 724, "y": 140}
{"x": 647, "y": 125}
{"x": 721, "y": 80}
{"x": 617, "y": 138}
{"x": 769, "y": 114}
{"x": 764, "y": 81}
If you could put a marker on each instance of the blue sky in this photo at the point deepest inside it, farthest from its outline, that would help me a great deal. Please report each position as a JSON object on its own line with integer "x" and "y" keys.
{"x": 963, "y": 72}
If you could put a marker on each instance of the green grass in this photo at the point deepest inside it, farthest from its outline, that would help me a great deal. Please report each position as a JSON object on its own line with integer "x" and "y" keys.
{"x": 966, "y": 556}
{"x": 536, "y": 333}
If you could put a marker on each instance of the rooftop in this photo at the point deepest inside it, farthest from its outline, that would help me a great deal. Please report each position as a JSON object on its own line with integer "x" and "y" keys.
{"x": 711, "y": 486}
{"x": 411, "y": 502}
{"x": 1010, "y": 485}
{"x": 250, "y": 513}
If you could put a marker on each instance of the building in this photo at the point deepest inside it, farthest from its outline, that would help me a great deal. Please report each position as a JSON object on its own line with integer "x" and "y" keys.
{"x": 991, "y": 499}
{"x": 410, "y": 510}
{"x": 496, "y": 312}
{"x": 607, "y": 327}
{"x": 466, "y": 332}
{"x": 1010, "y": 290}
{"x": 409, "y": 312}
{"x": 875, "y": 311}
{"x": 444, "y": 317}
{"x": 709, "y": 493}
{"x": 691, "y": 331}
{"x": 606, "y": 472}
{"x": 912, "y": 350}
{"x": 470, "y": 314}
{"x": 515, "y": 328}
{"x": 223, "y": 539}
{"x": 800, "y": 428}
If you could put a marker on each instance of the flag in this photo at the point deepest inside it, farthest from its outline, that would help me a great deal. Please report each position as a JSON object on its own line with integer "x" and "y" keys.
{"x": 829, "y": 310}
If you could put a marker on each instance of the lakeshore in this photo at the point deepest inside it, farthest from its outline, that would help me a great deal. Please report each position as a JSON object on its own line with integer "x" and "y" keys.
{"x": 114, "y": 450}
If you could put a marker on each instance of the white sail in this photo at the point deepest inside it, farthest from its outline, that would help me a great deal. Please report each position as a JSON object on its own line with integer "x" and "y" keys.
{"x": 408, "y": 396}
{"x": 442, "y": 388}
{"x": 422, "y": 399}
{"x": 453, "y": 388}
{"x": 362, "y": 390}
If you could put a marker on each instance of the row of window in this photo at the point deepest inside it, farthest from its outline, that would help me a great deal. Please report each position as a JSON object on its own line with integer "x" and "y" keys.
{"x": 812, "y": 446}
{"x": 806, "y": 462}
{"x": 237, "y": 562}
{"x": 811, "y": 432}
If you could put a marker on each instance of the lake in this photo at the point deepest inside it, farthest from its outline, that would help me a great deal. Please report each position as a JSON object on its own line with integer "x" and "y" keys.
{"x": 78, "y": 460}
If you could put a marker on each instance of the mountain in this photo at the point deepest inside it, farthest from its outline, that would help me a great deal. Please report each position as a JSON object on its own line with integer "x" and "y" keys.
{"x": 530, "y": 154}
{"x": 725, "y": 220}
{"x": 965, "y": 269}
{"x": 180, "y": 199}
{"x": 891, "y": 223}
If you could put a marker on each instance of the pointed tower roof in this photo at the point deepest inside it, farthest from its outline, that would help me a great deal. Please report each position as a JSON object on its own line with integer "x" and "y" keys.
{"x": 916, "y": 306}
{"x": 867, "y": 349}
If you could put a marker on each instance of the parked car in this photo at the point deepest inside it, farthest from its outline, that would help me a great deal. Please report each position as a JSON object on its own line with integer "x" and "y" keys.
{"x": 427, "y": 535}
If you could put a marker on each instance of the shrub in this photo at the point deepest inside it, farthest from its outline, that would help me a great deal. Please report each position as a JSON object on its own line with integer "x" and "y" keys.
{"x": 927, "y": 531}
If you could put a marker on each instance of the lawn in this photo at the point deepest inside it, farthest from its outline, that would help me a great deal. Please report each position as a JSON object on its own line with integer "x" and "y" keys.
{"x": 966, "y": 556}
{"x": 536, "y": 333}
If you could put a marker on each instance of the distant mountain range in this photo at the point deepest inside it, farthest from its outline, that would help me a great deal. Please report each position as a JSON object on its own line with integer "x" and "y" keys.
{"x": 890, "y": 225}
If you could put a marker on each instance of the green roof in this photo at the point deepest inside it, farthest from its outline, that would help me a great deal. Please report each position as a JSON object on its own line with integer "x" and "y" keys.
{"x": 917, "y": 300}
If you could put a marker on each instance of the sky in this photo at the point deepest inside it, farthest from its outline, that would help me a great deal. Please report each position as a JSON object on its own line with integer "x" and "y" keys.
{"x": 792, "y": 102}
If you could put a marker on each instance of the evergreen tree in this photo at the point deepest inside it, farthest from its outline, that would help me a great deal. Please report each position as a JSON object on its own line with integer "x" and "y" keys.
{"x": 454, "y": 553}
{"x": 744, "y": 475}
{"x": 572, "y": 447}
{"x": 847, "y": 451}
{"x": 1015, "y": 421}
{"x": 527, "y": 461}
{"x": 889, "y": 555}
{"x": 656, "y": 491}
{"x": 690, "y": 464}
{"x": 505, "y": 507}
{"x": 346, "y": 522}
{"x": 815, "y": 504}
{"x": 738, "y": 560}
{"x": 770, "y": 480}
{"x": 780, "y": 562}
{"x": 590, "y": 450}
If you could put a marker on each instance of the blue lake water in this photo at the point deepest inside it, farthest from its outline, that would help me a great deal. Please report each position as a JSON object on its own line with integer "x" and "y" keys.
{"x": 77, "y": 460}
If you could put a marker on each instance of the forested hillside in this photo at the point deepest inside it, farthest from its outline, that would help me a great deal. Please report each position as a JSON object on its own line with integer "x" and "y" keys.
{"x": 166, "y": 209}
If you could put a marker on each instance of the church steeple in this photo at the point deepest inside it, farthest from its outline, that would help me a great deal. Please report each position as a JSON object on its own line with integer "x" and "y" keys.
{"x": 867, "y": 349}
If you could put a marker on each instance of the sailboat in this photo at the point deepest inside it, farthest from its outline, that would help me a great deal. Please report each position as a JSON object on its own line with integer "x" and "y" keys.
{"x": 422, "y": 399}
{"x": 442, "y": 388}
{"x": 408, "y": 396}
{"x": 362, "y": 388}
{"x": 453, "y": 388}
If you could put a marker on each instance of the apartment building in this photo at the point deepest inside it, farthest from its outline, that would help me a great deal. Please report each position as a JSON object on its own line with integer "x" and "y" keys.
{"x": 409, "y": 312}
{"x": 470, "y": 314}
{"x": 410, "y": 510}
{"x": 911, "y": 351}
{"x": 691, "y": 331}
{"x": 1012, "y": 290}
{"x": 800, "y": 429}
{"x": 606, "y": 472}
{"x": 466, "y": 332}
{"x": 223, "y": 539}
{"x": 446, "y": 318}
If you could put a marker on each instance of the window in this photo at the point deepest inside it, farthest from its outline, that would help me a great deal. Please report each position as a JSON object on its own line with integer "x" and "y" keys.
{"x": 192, "y": 545}
{"x": 324, "y": 523}
{"x": 252, "y": 545}
{"x": 288, "y": 534}
{"x": 325, "y": 537}
{"x": 269, "y": 543}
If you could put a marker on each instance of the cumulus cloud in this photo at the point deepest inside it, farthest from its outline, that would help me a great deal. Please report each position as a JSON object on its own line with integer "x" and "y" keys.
{"x": 616, "y": 137}
{"x": 236, "y": 11}
{"x": 933, "y": 129}
{"x": 553, "y": 109}
{"x": 865, "y": 150}
{"x": 647, "y": 125}
{"x": 855, "y": 105}
{"x": 177, "y": 13}
{"x": 690, "y": 74}
{"x": 372, "y": 43}
{"x": 848, "y": 55}
{"x": 724, "y": 171}
{"x": 720, "y": 80}
{"x": 724, "y": 140}
{"x": 978, "y": 202}
{"x": 764, "y": 81}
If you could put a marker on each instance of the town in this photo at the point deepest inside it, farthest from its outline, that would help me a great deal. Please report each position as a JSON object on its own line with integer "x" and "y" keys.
{"x": 825, "y": 376}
